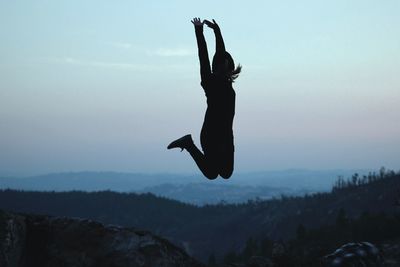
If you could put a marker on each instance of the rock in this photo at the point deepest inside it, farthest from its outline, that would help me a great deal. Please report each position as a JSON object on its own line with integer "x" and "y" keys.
{"x": 12, "y": 239}
{"x": 355, "y": 254}
{"x": 32, "y": 240}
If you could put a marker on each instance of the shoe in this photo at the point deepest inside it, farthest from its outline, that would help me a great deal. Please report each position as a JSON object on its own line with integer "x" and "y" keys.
{"x": 182, "y": 142}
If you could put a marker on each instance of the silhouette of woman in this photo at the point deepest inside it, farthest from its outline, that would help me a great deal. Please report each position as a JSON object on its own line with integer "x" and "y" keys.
{"x": 216, "y": 136}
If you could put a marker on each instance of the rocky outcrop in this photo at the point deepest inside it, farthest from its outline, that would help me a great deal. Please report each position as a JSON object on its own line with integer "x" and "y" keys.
{"x": 32, "y": 240}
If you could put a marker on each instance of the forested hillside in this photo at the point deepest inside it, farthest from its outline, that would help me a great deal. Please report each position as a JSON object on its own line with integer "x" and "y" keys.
{"x": 219, "y": 228}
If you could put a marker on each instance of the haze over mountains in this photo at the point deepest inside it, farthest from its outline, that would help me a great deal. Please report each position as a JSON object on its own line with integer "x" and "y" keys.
{"x": 193, "y": 189}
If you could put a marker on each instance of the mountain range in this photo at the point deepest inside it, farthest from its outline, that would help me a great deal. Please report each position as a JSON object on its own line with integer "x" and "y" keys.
{"x": 193, "y": 189}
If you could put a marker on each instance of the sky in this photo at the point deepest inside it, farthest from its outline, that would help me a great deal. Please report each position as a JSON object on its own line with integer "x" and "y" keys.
{"x": 107, "y": 85}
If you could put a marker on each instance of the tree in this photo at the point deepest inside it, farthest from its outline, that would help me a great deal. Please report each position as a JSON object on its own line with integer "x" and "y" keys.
{"x": 251, "y": 248}
{"x": 354, "y": 179}
{"x": 212, "y": 261}
{"x": 341, "y": 219}
{"x": 382, "y": 172}
{"x": 301, "y": 232}
{"x": 230, "y": 257}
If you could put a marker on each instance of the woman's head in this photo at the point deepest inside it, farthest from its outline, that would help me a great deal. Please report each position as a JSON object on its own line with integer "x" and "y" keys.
{"x": 223, "y": 65}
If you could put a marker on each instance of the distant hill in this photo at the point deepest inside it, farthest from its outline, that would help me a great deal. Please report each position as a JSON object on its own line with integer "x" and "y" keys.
{"x": 89, "y": 181}
{"x": 187, "y": 188}
{"x": 210, "y": 193}
{"x": 217, "y": 228}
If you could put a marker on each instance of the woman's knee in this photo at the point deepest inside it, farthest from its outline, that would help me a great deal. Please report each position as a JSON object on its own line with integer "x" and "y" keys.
{"x": 226, "y": 166}
{"x": 226, "y": 173}
{"x": 211, "y": 175}
{"x": 211, "y": 172}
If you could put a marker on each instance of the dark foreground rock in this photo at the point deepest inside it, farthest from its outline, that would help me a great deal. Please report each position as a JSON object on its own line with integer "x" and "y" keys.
{"x": 32, "y": 240}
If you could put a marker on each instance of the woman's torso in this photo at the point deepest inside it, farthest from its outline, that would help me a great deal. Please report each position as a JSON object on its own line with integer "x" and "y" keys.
{"x": 220, "y": 105}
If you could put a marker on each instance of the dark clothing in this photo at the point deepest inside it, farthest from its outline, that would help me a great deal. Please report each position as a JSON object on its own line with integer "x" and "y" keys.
{"x": 216, "y": 134}
{"x": 218, "y": 120}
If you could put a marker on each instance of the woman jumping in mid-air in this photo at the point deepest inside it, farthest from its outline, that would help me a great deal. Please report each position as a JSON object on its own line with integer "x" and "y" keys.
{"x": 216, "y": 134}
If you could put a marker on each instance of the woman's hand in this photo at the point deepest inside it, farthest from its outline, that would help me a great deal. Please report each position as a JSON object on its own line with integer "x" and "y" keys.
{"x": 197, "y": 22}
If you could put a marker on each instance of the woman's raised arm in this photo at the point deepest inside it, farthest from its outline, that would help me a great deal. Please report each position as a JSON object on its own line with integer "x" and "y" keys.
{"x": 219, "y": 41}
{"x": 205, "y": 69}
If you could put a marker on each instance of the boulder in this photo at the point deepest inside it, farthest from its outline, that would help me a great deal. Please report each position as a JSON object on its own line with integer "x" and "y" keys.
{"x": 33, "y": 240}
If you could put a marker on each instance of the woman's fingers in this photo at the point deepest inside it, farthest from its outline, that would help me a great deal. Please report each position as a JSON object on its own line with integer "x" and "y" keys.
{"x": 197, "y": 21}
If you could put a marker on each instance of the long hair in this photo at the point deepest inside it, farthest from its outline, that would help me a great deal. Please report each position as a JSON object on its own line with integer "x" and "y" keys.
{"x": 226, "y": 59}
{"x": 235, "y": 73}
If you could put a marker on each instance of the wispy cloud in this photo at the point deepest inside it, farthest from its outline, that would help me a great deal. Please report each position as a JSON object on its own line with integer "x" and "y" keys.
{"x": 118, "y": 65}
{"x": 103, "y": 64}
{"x": 172, "y": 52}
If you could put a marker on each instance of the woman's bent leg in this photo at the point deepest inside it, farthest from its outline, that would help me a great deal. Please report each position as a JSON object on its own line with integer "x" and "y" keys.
{"x": 226, "y": 161}
{"x": 206, "y": 166}
{"x": 226, "y": 166}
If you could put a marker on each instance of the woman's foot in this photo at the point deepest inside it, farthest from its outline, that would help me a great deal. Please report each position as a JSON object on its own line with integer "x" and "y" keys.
{"x": 183, "y": 142}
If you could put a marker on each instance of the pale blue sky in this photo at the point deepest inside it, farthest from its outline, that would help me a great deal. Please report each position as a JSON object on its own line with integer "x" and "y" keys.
{"x": 106, "y": 85}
